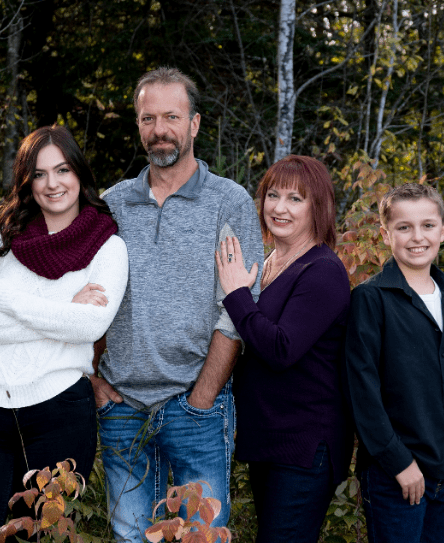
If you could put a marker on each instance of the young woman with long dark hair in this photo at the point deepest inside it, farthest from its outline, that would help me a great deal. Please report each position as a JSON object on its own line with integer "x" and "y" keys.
{"x": 63, "y": 273}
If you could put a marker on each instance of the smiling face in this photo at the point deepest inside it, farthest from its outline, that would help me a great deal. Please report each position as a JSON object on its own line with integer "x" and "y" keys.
{"x": 55, "y": 188}
{"x": 288, "y": 215}
{"x": 165, "y": 127}
{"x": 414, "y": 233}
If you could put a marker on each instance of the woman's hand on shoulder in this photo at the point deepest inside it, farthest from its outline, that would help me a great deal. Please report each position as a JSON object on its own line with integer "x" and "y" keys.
{"x": 91, "y": 294}
{"x": 232, "y": 272}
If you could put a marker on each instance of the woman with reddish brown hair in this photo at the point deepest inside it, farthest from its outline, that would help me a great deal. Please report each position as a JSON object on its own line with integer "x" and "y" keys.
{"x": 63, "y": 273}
{"x": 293, "y": 428}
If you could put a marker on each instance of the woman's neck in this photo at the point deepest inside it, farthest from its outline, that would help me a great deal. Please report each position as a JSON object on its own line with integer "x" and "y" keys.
{"x": 56, "y": 223}
{"x": 284, "y": 250}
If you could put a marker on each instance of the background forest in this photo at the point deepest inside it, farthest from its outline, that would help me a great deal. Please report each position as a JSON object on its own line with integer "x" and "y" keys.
{"x": 367, "y": 80}
{"x": 357, "y": 84}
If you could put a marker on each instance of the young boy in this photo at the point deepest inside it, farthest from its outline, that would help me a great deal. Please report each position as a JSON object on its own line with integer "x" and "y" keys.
{"x": 395, "y": 372}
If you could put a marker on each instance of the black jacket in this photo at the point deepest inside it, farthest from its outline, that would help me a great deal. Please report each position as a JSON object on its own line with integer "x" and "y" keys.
{"x": 395, "y": 374}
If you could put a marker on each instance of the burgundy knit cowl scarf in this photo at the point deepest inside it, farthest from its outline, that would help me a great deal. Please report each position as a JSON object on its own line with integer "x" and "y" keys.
{"x": 71, "y": 249}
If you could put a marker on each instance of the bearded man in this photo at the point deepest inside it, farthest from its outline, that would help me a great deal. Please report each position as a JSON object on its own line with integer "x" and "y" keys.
{"x": 164, "y": 399}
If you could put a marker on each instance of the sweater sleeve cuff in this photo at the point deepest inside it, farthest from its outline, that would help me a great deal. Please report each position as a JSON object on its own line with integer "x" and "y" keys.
{"x": 395, "y": 458}
{"x": 239, "y": 303}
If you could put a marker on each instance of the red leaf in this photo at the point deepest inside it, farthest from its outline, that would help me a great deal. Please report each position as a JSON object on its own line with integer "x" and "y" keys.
{"x": 351, "y": 235}
{"x": 206, "y": 512}
{"x": 167, "y": 529}
{"x": 171, "y": 527}
{"x": 16, "y": 525}
{"x": 174, "y": 504}
{"x": 154, "y": 533}
{"x": 192, "y": 505}
{"x": 224, "y": 534}
{"x": 194, "y": 537}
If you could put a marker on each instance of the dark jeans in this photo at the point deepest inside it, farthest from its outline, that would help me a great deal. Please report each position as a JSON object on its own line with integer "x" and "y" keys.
{"x": 52, "y": 431}
{"x": 291, "y": 502}
{"x": 391, "y": 519}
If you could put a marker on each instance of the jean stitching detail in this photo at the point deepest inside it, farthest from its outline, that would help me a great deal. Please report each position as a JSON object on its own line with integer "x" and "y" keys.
{"x": 227, "y": 452}
{"x": 158, "y": 460}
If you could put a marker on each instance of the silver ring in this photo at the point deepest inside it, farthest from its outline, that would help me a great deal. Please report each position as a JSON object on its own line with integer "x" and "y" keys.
{"x": 230, "y": 257}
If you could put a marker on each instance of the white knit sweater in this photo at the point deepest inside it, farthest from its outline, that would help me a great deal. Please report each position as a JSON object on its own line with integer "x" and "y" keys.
{"x": 46, "y": 341}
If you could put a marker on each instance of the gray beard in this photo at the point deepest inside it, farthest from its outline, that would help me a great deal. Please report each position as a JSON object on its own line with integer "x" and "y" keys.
{"x": 163, "y": 159}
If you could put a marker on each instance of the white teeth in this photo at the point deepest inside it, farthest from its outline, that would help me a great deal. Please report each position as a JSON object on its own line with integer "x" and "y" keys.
{"x": 281, "y": 220}
{"x": 417, "y": 250}
{"x": 55, "y": 195}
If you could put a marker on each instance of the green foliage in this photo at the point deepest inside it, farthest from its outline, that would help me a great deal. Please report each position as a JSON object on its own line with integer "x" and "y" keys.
{"x": 79, "y": 63}
{"x": 344, "y": 521}
{"x": 243, "y": 522}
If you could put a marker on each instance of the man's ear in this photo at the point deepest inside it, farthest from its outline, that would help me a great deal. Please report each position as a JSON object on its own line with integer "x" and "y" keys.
{"x": 195, "y": 123}
{"x": 385, "y": 236}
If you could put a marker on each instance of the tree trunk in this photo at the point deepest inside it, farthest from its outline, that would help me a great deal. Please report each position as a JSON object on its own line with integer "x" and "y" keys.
{"x": 11, "y": 131}
{"x": 284, "y": 130}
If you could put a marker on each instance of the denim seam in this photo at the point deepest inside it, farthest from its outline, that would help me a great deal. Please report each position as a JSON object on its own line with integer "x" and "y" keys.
{"x": 157, "y": 489}
{"x": 227, "y": 448}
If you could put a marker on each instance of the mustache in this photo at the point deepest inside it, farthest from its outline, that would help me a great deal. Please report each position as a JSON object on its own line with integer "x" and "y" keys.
{"x": 158, "y": 139}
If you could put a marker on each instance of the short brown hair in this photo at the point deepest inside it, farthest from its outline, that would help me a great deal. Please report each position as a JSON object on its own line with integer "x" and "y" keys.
{"x": 311, "y": 178}
{"x": 166, "y": 76}
{"x": 408, "y": 191}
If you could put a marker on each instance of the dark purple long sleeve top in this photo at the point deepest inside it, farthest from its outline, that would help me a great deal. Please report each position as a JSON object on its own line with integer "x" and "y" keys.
{"x": 287, "y": 383}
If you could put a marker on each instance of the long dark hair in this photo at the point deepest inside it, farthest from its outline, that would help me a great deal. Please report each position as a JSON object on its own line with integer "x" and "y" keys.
{"x": 19, "y": 207}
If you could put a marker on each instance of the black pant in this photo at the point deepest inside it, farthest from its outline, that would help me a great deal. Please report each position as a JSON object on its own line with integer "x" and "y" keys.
{"x": 52, "y": 431}
{"x": 291, "y": 501}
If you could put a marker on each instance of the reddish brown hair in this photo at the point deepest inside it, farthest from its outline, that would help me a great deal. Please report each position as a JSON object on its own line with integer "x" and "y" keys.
{"x": 312, "y": 179}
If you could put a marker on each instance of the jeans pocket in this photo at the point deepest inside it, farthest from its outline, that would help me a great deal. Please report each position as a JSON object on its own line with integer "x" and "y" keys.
{"x": 216, "y": 409}
{"x": 105, "y": 409}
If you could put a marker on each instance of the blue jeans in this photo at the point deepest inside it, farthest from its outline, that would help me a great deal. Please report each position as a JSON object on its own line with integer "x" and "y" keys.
{"x": 291, "y": 501}
{"x": 139, "y": 449}
{"x": 63, "y": 427}
{"x": 391, "y": 519}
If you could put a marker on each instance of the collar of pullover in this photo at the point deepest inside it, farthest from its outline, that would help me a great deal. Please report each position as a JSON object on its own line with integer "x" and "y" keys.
{"x": 140, "y": 193}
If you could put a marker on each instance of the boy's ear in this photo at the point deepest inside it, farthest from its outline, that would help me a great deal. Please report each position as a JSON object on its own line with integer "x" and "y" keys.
{"x": 442, "y": 233}
{"x": 385, "y": 236}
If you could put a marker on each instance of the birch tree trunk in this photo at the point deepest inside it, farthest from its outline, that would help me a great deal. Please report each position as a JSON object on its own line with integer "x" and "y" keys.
{"x": 287, "y": 98}
{"x": 11, "y": 131}
{"x": 375, "y": 149}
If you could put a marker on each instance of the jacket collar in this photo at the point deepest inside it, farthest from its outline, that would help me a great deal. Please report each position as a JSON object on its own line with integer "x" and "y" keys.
{"x": 392, "y": 277}
{"x": 140, "y": 193}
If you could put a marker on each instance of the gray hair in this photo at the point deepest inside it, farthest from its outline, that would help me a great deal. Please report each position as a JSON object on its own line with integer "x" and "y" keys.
{"x": 166, "y": 76}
